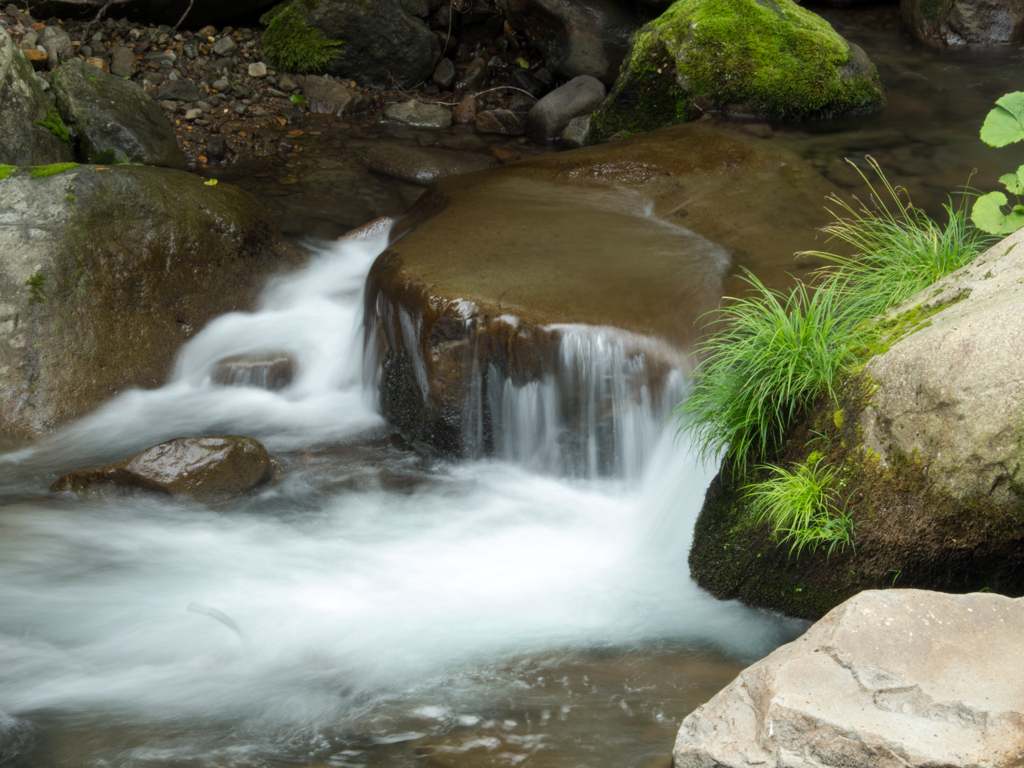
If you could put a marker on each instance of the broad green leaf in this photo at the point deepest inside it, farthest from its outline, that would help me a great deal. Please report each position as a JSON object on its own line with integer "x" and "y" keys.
{"x": 1005, "y": 124}
{"x": 1011, "y": 182}
{"x": 1012, "y": 103}
{"x": 987, "y": 215}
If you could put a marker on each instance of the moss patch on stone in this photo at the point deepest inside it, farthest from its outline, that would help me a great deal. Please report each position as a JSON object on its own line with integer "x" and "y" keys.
{"x": 909, "y": 529}
{"x": 7, "y": 170}
{"x": 53, "y": 123}
{"x": 771, "y": 57}
{"x": 294, "y": 45}
{"x": 45, "y": 171}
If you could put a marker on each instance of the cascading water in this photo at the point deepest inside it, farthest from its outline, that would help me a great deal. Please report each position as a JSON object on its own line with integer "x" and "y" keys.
{"x": 375, "y": 606}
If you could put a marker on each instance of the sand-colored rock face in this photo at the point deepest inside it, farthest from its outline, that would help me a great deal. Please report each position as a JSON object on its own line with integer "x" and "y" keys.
{"x": 888, "y": 679}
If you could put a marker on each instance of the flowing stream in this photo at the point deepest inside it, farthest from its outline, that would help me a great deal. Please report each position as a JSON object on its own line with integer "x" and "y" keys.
{"x": 376, "y": 607}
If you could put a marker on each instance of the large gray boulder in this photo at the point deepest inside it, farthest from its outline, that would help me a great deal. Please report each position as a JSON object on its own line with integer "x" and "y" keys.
{"x": 208, "y": 469}
{"x": 585, "y": 37}
{"x": 105, "y": 273}
{"x": 115, "y": 120}
{"x": 950, "y": 392}
{"x": 381, "y": 44}
{"x": 32, "y": 132}
{"x": 577, "y": 98}
{"x": 942, "y": 23}
{"x": 889, "y": 679}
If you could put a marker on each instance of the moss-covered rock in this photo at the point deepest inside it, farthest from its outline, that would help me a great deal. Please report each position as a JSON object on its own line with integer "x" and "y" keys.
{"x": 378, "y": 43}
{"x": 115, "y": 120}
{"x": 928, "y": 441}
{"x": 769, "y": 58}
{"x": 32, "y": 133}
{"x": 105, "y": 273}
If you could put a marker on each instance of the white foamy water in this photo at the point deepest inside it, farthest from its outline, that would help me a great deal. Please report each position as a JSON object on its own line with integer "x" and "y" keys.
{"x": 369, "y": 586}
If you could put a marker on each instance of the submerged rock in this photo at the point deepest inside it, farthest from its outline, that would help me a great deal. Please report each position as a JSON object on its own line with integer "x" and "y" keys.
{"x": 954, "y": 23}
{"x": 271, "y": 372}
{"x": 419, "y": 165}
{"x": 899, "y": 678}
{"x": 115, "y": 120}
{"x": 105, "y": 273}
{"x": 769, "y": 59}
{"x": 32, "y": 133}
{"x": 608, "y": 253}
{"x": 200, "y": 468}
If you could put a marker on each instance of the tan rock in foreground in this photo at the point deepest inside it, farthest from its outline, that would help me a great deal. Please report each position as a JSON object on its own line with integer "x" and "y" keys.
{"x": 889, "y": 679}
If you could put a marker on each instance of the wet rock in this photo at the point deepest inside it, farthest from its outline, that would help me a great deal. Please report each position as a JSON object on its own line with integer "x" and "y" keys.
{"x": 474, "y": 78}
{"x": 449, "y": 303}
{"x": 806, "y": 70}
{"x": 549, "y": 116}
{"x": 16, "y": 741}
{"x": 99, "y": 64}
{"x": 123, "y": 63}
{"x": 465, "y": 112}
{"x": 57, "y": 44}
{"x": 383, "y": 44}
{"x": 528, "y": 82}
{"x": 33, "y": 133}
{"x": 104, "y": 274}
{"x": 287, "y": 83}
{"x": 216, "y": 149}
{"x": 500, "y": 121}
{"x": 416, "y": 114}
{"x": 37, "y": 58}
{"x": 420, "y": 165}
{"x": 444, "y": 74}
{"x": 889, "y": 678}
{"x": 942, "y": 23}
{"x": 329, "y": 97}
{"x": 587, "y": 37}
{"x": 115, "y": 120}
{"x": 272, "y": 372}
{"x": 202, "y": 468}
{"x": 575, "y": 134}
{"x": 180, "y": 90}
{"x": 225, "y": 46}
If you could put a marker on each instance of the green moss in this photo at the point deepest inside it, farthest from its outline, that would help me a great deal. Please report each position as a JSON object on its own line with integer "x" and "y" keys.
{"x": 931, "y": 10}
{"x": 55, "y": 125}
{"x": 109, "y": 156}
{"x": 45, "y": 171}
{"x": 883, "y": 334}
{"x": 36, "y": 290}
{"x": 294, "y": 45}
{"x": 771, "y": 56}
{"x": 7, "y": 170}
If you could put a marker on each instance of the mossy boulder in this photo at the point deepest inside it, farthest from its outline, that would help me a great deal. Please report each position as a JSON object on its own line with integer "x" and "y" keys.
{"x": 115, "y": 121}
{"x": 754, "y": 58}
{"x": 207, "y": 469}
{"x": 928, "y": 441}
{"x": 32, "y": 132}
{"x": 378, "y": 43}
{"x": 106, "y": 272}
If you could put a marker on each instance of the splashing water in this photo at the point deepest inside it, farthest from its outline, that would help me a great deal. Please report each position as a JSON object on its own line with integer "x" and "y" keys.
{"x": 372, "y": 599}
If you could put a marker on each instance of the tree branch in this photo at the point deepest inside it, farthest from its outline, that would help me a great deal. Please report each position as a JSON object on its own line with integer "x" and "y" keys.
{"x": 175, "y": 27}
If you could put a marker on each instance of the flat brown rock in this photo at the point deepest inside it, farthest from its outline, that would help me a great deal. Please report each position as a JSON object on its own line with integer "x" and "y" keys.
{"x": 201, "y": 468}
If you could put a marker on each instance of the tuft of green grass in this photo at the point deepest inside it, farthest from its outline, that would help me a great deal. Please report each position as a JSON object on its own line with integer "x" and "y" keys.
{"x": 898, "y": 249}
{"x": 798, "y": 504}
{"x": 776, "y": 354}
